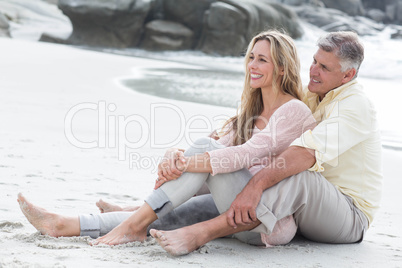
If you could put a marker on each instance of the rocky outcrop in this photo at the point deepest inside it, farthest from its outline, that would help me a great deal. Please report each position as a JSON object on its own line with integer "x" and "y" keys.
{"x": 336, "y": 20}
{"x": 225, "y": 30}
{"x": 229, "y": 25}
{"x": 387, "y": 11}
{"x": 376, "y": 15}
{"x": 350, "y": 7}
{"x": 222, "y": 27}
{"x": 190, "y": 13}
{"x": 398, "y": 12}
{"x": 167, "y": 35}
{"x": 29, "y": 19}
{"x": 214, "y": 26}
{"x": 392, "y": 9}
{"x": 397, "y": 35}
{"x": 116, "y": 24}
{"x": 4, "y": 26}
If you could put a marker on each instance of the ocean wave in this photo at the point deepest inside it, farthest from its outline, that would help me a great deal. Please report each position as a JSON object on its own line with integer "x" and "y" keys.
{"x": 207, "y": 86}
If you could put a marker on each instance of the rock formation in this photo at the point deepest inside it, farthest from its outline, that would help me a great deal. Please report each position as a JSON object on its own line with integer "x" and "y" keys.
{"x": 221, "y": 27}
{"x": 4, "y": 26}
{"x": 117, "y": 24}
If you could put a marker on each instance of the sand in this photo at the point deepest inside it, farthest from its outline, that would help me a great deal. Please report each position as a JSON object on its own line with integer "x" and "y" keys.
{"x": 57, "y": 103}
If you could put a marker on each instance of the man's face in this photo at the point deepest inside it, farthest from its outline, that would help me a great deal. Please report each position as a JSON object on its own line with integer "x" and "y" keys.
{"x": 325, "y": 73}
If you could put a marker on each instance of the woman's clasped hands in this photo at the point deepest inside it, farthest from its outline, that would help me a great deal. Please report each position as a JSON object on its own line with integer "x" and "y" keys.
{"x": 171, "y": 167}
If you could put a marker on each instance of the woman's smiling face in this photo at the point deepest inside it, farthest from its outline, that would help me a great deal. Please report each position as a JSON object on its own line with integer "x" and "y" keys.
{"x": 260, "y": 65}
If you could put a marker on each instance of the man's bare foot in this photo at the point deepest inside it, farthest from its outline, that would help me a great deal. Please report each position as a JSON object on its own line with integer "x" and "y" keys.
{"x": 177, "y": 242}
{"x": 106, "y": 207}
{"x": 45, "y": 222}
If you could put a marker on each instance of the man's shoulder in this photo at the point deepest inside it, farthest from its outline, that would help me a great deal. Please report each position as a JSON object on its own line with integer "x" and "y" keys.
{"x": 354, "y": 95}
{"x": 355, "y": 104}
{"x": 350, "y": 89}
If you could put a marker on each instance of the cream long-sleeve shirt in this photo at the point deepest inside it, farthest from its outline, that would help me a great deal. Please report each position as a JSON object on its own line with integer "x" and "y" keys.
{"x": 287, "y": 123}
{"x": 347, "y": 144}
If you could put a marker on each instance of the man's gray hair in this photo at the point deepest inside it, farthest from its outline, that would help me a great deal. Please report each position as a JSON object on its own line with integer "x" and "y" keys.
{"x": 347, "y": 48}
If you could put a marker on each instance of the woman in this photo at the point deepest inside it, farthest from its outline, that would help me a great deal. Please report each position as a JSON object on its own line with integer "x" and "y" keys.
{"x": 271, "y": 116}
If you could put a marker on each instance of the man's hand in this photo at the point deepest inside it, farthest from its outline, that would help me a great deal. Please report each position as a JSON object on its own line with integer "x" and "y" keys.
{"x": 242, "y": 210}
{"x": 167, "y": 168}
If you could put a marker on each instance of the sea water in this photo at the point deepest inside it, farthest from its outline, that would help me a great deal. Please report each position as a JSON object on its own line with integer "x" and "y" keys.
{"x": 219, "y": 80}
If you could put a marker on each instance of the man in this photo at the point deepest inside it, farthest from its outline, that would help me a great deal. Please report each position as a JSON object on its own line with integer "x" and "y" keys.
{"x": 335, "y": 200}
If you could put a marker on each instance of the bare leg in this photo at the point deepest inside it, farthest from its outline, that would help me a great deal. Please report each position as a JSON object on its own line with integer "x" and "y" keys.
{"x": 106, "y": 207}
{"x": 187, "y": 239}
{"x": 49, "y": 223}
{"x": 132, "y": 229}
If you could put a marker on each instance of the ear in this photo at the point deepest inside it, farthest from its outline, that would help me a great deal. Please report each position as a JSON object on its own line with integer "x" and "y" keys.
{"x": 281, "y": 71}
{"x": 349, "y": 75}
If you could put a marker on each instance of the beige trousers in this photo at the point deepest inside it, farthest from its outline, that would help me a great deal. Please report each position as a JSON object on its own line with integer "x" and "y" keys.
{"x": 322, "y": 213}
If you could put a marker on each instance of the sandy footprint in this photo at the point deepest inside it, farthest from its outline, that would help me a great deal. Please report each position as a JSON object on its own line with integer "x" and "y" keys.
{"x": 8, "y": 226}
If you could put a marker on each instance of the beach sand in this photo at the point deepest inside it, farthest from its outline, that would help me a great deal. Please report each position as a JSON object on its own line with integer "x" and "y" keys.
{"x": 51, "y": 92}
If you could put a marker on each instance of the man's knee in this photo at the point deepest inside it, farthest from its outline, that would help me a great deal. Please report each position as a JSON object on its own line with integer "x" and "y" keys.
{"x": 306, "y": 177}
{"x": 305, "y": 181}
{"x": 290, "y": 196}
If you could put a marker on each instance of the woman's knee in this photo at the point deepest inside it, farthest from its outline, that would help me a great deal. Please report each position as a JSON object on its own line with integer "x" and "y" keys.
{"x": 202, "y": 145}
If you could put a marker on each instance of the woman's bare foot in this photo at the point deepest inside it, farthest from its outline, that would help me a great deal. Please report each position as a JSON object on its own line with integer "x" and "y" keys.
{"x": 178, "y": 242}
{"x": 48, "y": 223}
{"x": 106, "y": 207}
{"x": 121, "y": 234}
{"x": 132, "y": 229}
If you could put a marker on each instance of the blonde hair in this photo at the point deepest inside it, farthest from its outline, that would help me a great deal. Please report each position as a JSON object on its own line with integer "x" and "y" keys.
{"x": 284, "y": 56}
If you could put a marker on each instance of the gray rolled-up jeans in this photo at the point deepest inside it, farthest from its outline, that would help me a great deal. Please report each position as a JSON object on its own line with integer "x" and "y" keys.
{"x": 197, "y": 209}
